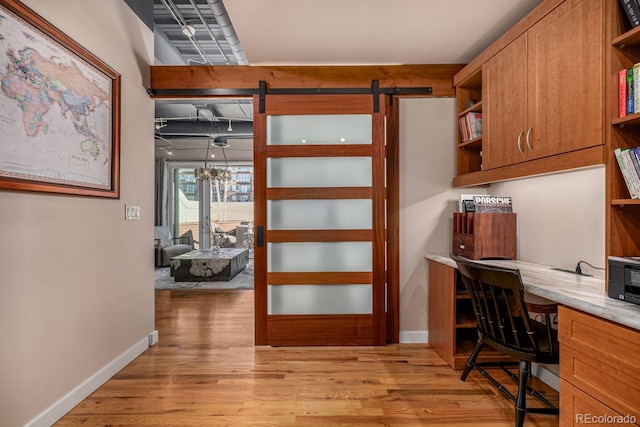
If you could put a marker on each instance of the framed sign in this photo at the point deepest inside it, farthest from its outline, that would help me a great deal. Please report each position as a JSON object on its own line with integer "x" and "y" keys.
{"x": 59, "y": 110}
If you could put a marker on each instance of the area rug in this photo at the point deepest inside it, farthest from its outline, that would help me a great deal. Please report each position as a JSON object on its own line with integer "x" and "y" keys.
{"x": 244, "y": 280}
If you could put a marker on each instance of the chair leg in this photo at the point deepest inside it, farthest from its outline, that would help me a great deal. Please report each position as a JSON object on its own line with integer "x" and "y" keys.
{"x": 472, "y": 360}
{"x": 521, "y": 401}
{"x": 547, "y": 319}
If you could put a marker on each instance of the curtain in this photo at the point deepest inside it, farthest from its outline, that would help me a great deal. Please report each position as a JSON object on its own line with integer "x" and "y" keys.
{"x": 161, "y": 200}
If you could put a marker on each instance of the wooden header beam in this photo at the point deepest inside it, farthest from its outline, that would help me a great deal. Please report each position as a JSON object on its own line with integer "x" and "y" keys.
{"x": 232, "y": 80}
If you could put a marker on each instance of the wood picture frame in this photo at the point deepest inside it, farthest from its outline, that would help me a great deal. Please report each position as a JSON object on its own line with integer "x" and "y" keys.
{"x": 59, "y": 110}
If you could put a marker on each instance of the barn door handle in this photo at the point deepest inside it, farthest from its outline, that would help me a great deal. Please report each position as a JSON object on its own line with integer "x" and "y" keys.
{"x": 259, "y": 236}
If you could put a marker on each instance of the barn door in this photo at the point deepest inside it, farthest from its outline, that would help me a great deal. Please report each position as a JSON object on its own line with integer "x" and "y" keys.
{"x": 320, "y": 245}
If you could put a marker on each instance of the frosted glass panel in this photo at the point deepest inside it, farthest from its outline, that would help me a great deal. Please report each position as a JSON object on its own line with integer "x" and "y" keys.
{"x": 342, "y": 214}
{"x": 320, "y": 299}
{"x": 319, "y": 256}
{"x": 319, "y": 129}
{"x": 319, "y": 172}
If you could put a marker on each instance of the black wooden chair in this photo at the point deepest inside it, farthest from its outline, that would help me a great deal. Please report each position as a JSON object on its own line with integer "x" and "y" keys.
{"x": 497, "y": 296}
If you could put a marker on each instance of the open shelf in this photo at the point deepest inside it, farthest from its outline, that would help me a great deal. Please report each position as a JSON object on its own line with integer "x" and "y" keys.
{"x": 624, "y": 202}
{"x": 475, "y": 144}
{"x": 630, "y": 120}
{"x": 465, "y": 320}
{"x": 631, "y": 37}
{"x": 476, "y": 108}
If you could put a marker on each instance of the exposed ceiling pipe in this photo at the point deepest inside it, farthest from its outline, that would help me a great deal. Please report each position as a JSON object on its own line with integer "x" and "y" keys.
{"x": 163, "y": 119}
{"x": 205, "y": 129}
{"x": 177, "y": 16}
{"x": 222, "y": 18}
{"x": 206, "y": 26}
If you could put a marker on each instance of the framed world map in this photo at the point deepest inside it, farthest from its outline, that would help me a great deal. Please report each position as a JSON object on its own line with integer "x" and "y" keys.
{"x": 59, "y": 110}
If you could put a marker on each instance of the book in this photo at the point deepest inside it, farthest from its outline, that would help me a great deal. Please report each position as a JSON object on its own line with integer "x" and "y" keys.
{"x": 636, "y": 87}
{"x": 630, "y": 96}
{"x": 460, "y": 124}
{"x": 632, "y": 10}
{"x": 628, "y": 157}
{"x": 637, "y": 153}
{"x": 493, "y": 204}
{"x": 622, "y": 93}
{"x": 470, "y": 126}
{"x": 625, "y": 173}
{"x": 475, "y": 122}
{"x": 466, "y": 202}
{"x": 636, "y": 164}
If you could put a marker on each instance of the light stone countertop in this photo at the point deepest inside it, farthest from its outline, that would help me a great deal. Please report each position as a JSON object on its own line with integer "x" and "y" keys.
{"x": 583, "y": 293}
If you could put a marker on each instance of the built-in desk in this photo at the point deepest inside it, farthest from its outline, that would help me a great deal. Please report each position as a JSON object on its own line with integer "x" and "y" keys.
{"x": 599, "y": 342}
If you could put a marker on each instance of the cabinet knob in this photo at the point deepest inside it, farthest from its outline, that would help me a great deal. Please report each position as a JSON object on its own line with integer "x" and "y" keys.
{"x": 528, "y": 138}
{"x": 520, "y": 142}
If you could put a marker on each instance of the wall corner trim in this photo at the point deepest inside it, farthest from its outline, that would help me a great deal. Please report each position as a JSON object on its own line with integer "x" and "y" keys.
{"x": 414, "y": 337}
{"x": 153, "y": 338}
{"x": 56, "y": 411}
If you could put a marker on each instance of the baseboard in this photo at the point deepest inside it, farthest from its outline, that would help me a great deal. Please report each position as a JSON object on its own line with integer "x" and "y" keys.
{"x": 414, "y": 337}
{"x": 548, "y": 374}
{"x": 56, "y": 411}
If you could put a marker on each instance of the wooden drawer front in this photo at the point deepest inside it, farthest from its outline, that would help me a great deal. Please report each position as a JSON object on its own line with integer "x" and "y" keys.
{"x": 464, "y": 239}
{"x": 601, "y": 358}
{"x": 579, "y": 409}
{"x": 463, "y": 245}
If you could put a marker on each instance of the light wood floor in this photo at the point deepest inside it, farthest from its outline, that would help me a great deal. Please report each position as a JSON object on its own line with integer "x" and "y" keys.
{"x": 205, "y": 371}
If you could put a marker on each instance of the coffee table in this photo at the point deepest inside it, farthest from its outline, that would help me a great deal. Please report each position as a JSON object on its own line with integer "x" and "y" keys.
{"x": 206, "y": 265}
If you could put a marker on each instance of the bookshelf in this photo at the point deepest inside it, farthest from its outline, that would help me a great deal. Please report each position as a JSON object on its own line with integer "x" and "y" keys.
{"x": 622, "y": 212}
{"x": 469, "y": 153}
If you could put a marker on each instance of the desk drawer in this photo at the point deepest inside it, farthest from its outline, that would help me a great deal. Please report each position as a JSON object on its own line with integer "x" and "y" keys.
{"x": 463, "y": 245}
{"x": 578, "y": 409}
{"x": 463, "y": 239}
{"x": 601, "y": 358}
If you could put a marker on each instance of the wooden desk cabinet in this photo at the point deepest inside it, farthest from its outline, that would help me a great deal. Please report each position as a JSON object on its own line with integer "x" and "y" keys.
{"x": 599, "y": 372}
{"x": 452, "y": 324}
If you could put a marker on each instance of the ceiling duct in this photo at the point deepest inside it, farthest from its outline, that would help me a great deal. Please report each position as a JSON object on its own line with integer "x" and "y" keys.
{"x": 165, "y": 52}
{"x": 222, "y": 18}
{"x": 176, "y": 129}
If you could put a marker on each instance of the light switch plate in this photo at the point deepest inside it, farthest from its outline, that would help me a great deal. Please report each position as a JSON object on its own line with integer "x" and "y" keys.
{"x": 132, "y": 212}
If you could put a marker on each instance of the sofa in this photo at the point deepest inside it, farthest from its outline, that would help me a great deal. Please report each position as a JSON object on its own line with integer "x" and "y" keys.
{"x": 167, "y": 246}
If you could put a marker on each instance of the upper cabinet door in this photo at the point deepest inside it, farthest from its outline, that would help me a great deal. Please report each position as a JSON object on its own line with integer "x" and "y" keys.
{"x": 565, "y": 73}
{"x": 504, "y": 83}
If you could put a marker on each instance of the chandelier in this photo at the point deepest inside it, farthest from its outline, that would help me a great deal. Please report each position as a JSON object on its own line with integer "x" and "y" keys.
{"x": 216, "y": 173}
{"x": 203, "y": 174}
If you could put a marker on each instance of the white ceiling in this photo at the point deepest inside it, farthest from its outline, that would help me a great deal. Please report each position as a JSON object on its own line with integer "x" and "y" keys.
{"x": 369, "y": 32}
{"x": 352, "y": 32}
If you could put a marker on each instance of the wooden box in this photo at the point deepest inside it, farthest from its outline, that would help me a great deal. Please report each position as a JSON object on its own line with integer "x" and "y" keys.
{"x": 478, "y": 235}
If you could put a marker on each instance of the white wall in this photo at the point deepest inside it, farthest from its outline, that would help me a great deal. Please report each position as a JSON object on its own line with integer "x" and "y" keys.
{"x": 76, "y": 294}
{"x": 427, "y": 202}
{"x": 560, "y": 218}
